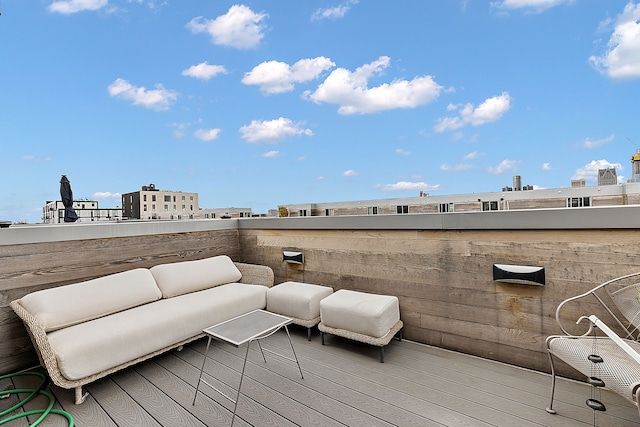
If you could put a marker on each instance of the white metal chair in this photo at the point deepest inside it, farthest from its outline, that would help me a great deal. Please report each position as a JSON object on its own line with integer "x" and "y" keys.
{"x": 606, "y": 360}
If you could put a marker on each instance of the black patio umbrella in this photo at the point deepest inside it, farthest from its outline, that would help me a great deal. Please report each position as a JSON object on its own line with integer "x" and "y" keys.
{"x": 67, "y": 200}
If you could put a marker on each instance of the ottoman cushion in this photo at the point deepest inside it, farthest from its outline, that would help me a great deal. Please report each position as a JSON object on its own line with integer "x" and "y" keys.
{"x": 367, "y": 314}
{"x": 298, "y": 300}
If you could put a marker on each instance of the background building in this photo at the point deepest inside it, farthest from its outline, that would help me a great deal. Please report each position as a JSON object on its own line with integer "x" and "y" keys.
{"x": 152, "y": 203}
{"x": 574, "y": 197}
{"x": 607, "y": 176}
{"x": 87, "y": 211}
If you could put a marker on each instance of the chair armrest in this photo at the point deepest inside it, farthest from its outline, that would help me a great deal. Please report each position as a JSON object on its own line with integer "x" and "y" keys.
{"x": 614, "y": 337}
{"x": 39, "y": 340}
{"x": 255, "y": 274}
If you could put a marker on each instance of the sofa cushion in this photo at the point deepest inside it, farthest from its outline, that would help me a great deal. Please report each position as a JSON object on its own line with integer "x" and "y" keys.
{"x": 64, "y": 306}
{"x": 190, "y": 276}
{"x": 92, "y": 347}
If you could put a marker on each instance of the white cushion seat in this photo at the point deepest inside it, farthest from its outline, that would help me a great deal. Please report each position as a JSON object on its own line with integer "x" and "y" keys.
{"x": 298, "y": 301}
{"x": 91, "y": 347}
{"x": 370, "y": 318}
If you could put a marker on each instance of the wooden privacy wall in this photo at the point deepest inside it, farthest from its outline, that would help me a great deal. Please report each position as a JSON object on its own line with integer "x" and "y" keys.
{"x": 26, "y": 268}
{"x": 444, "y": 279}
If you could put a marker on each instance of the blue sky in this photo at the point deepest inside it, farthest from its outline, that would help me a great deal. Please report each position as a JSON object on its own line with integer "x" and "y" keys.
{"x": 264, "y": 103}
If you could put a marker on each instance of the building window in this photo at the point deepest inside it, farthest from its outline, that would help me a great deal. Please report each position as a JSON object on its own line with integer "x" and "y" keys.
{"x": 144, "y": 208}
{"x": 166, "y": 208}
{"x": 167, "y": 198}
{"x": 144, "y": 197}
{"x": 191, "y": 198}
{"x": 153, "y": 197}
{"x": 445, "y": 207}
{"x": 302, "y": 212}
{"x": 578, "y": 202}
{"x": 402, "y": 209}
{"x": 153, "y": 207}
{"x": 489, "y": 206}
{"x": 372, "y": 210}
{"x": 183, "y": 198}
{"x": 330, "y": 212}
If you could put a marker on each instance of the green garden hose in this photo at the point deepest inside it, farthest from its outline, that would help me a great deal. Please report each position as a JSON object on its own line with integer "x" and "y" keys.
{"x": 32, "y": 393}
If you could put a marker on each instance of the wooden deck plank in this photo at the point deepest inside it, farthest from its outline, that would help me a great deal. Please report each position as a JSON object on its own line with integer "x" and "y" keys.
{"x": 508, "y": 381}
{"x": 174, "y": 385}
{"x": 249, "y": 410}
{"x": 39, "y": 402}
{"x": 385, "y": 381}
{"x": 494, "y": 395}
{"x": 375, "y": 398}
{"x": 119, "y": 405}
{"x": 281, "y": 404}
{"x": 162, "y": 408}
{"x": 90, "y": 413}
{"x": 344, "y": 385}
{"x": 9, "y": 401}
{"x": 319, "y": 408}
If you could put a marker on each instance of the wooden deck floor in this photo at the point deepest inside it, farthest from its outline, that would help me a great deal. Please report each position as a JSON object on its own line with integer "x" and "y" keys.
{"x": 344, "y": 385}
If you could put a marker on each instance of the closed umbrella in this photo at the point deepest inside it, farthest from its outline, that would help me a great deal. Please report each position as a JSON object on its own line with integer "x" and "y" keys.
{"x": 67, "y": 200}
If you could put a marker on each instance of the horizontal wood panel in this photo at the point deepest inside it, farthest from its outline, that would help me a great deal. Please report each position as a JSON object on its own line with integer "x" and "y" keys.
{"x": 31, "y": 267}
{"x": 444, "y": 278}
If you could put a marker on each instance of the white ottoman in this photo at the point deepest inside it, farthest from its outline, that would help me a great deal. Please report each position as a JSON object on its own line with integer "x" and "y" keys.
{"x": 299, "y": 301}
{"x": 368, "y": 318}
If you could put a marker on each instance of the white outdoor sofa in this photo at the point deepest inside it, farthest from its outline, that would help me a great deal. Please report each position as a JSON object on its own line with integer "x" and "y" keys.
{"x": 602, "y": 355}
{"x": 88, "y": 330}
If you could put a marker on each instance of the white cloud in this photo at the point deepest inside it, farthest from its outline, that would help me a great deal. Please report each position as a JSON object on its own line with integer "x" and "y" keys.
{"x": 489, "y": 111}
{"x": 179, "y": 129}
{"x": 622, "y": 58}
{"x": 407, "y": 186}
{"x": 351, "y": 92}
{"x": 271, "y": 154}
{"x": 546, "y": 166}
{"x": 155, "y": 99}
{"x": 350, "y": 172}
{"x": 529, "y": 5}
{"x": 589, "y": 143}
{"x": 278, "y": 77}
{"x": 67, "y": 7}
{"x": 272, "y": 130}
{"x": 402, "y": 152}
{"x": 471, "y": 156}
{"x": 330, "y": 13}
{"x": 333, "y": 12}
{"x": 207, "y": 134}
{"x": 204, "y": 71}
{"x": 106, "y": 195}
{"x": 459, "y": 167}
{"x": 32, "y": 158}
{"x": 240, "y": 27}
{"x": 590, "y": 171}
{"x": 504, "y": 166}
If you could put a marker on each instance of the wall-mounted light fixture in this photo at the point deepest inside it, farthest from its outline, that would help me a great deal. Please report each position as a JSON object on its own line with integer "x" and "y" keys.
{"x": 293, "y": 257}
{"x": 521, "y": 274}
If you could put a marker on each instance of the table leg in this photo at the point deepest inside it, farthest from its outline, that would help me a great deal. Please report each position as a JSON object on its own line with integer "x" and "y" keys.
{"x": 244, "y": 365}
{"x": 201, "y": 369}
{"x": 294, "y": 352}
